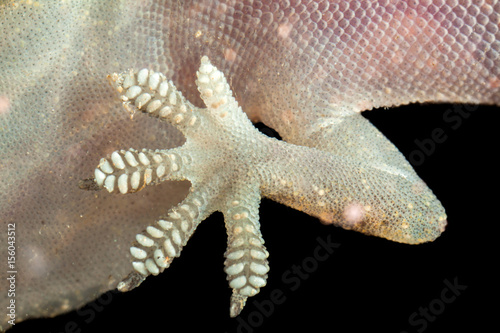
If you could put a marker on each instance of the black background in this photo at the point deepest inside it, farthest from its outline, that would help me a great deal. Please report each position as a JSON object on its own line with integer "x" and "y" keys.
{"x": 367, "y": 284}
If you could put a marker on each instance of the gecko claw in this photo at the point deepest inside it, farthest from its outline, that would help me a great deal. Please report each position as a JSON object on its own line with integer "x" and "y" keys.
{"x": 88, "y": 184}
{"x": 237, "y": 304}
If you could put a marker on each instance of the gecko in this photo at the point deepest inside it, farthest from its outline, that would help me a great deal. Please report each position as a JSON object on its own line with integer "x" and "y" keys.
{"x": 306, "y": 69}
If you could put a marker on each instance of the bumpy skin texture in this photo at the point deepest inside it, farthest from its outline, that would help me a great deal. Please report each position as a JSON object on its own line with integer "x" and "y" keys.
{"x": 305, "y": 68}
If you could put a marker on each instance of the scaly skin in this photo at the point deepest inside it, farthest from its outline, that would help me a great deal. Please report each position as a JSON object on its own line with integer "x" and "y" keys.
{"x": 263, "y": 166}
{"x": 304, "y": 68}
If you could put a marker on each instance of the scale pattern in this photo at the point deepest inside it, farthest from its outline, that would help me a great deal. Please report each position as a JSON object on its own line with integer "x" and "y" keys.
{"x": 159, "y": 244}
{"x": 305, "y": 68}
{"x": 408, "y": 212}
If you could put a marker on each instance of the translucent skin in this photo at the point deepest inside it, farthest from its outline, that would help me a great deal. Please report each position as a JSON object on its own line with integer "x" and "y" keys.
{"x": 305, "y": 69}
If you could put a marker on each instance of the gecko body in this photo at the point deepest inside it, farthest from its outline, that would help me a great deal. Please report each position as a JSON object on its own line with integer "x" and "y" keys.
{"x": 305, "y": 68}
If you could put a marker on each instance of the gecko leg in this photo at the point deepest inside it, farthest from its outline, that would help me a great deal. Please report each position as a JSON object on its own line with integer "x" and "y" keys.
{"x": 231, "y": 165}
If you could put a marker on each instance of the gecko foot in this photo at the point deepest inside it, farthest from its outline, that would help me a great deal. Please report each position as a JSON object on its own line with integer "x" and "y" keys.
{"x": 231, "y": 165}
{"x": 216, "y": 184}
